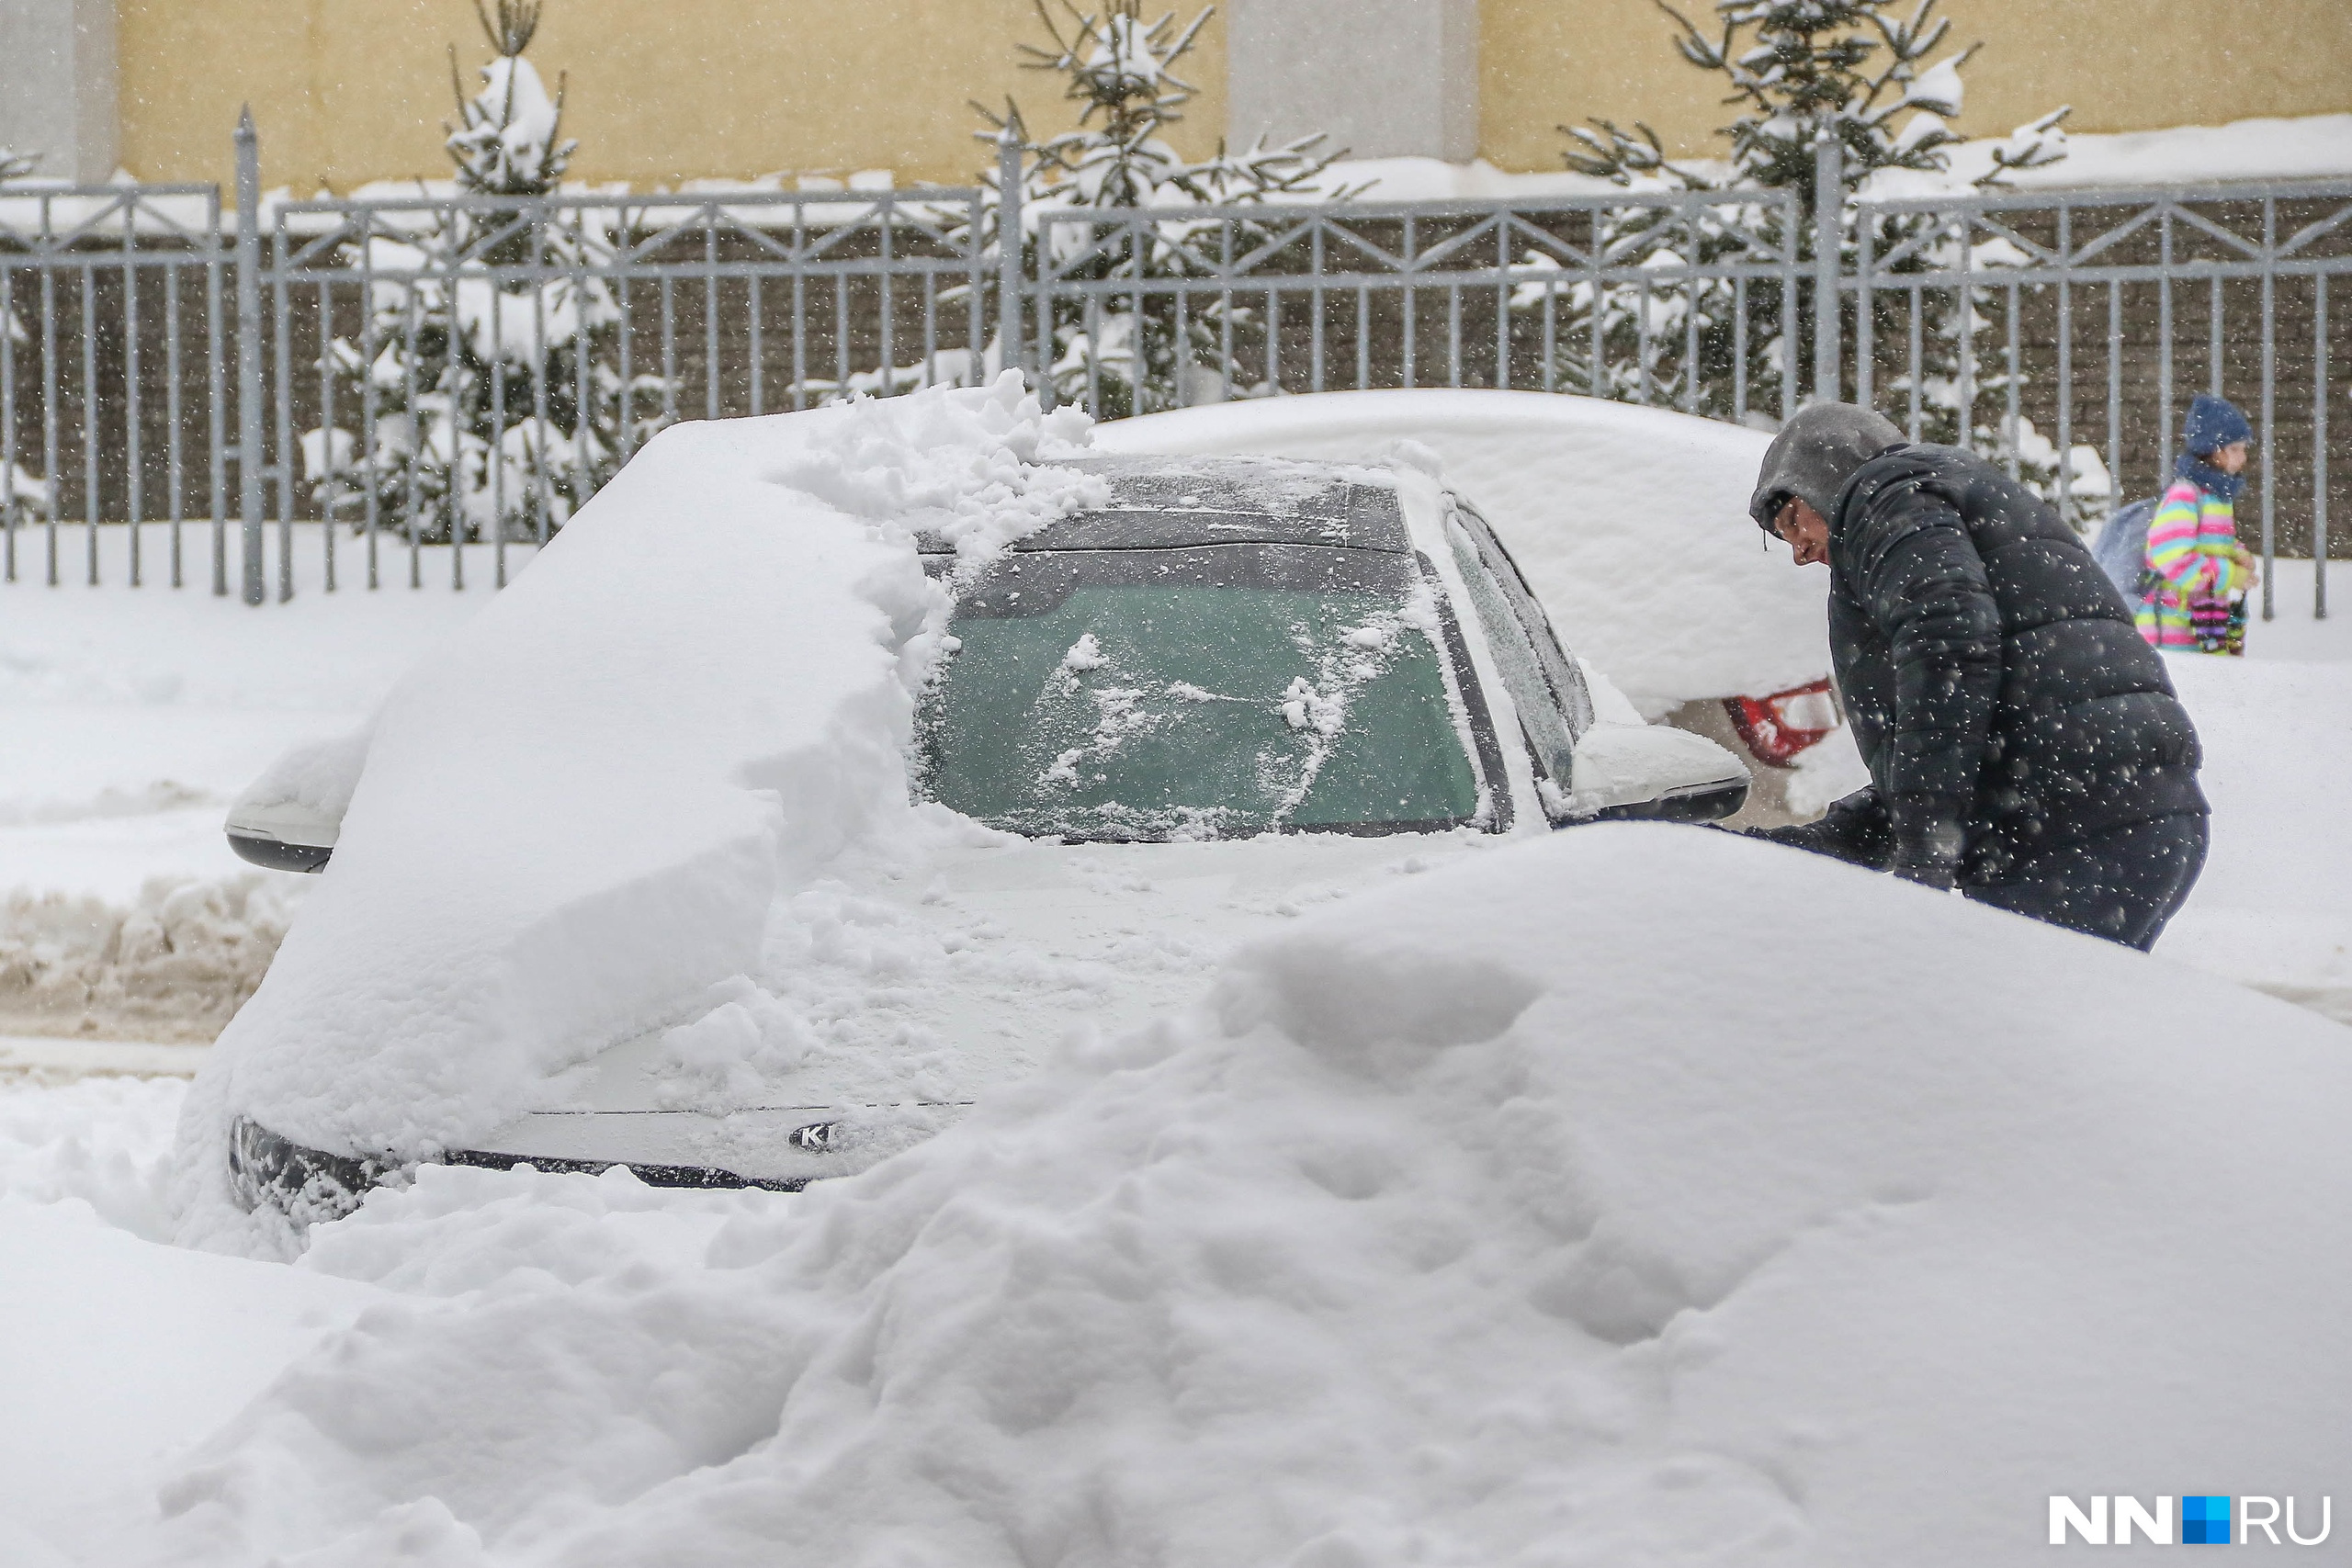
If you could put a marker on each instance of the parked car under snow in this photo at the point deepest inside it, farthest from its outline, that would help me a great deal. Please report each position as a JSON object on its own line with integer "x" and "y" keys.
{"x": 1219, "y": 690}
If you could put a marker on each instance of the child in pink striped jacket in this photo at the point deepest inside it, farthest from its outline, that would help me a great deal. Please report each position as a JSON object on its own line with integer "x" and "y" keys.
{"x": 2197, "y": 574}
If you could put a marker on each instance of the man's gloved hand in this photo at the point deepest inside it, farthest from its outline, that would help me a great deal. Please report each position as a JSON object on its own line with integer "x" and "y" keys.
{"x": 1853, "y": 829}
{"x": 1942, "y": 877}
{"x": 1928, "y": 849}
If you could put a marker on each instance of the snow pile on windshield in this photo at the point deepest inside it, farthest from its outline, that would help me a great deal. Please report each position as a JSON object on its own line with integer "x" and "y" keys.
{"x": 1540, "y": 1204}
{"x": 961, "y": 466}
{"x": 573, "y": 817}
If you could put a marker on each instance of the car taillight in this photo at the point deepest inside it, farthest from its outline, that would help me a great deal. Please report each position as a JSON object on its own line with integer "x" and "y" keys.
{"x": 1779, "y": 726}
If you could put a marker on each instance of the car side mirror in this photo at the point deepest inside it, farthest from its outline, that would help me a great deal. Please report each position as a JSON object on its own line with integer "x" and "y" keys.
{"x": 1653, "y": 772}
{"x": 290, "y": 818}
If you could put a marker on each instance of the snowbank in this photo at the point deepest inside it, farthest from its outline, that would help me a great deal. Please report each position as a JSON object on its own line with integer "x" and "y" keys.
{"x": 1631, "y": 524}
{"x": 2308, "y": 147}
{"x": 174, "y": 964}
{"x": 1526, "y": 1212}
{"x": 118, "y": 1353}
{"x": 577, "y": 811}
{"x": 2274, "y": 906}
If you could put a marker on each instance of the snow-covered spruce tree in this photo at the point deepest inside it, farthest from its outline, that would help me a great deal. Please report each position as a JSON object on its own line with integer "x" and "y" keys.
{"x": 1799, "y": 69}
{"x": 24, "y": 494}
{"x": 463, "y": 365}
{"x": 1121, "y": 72}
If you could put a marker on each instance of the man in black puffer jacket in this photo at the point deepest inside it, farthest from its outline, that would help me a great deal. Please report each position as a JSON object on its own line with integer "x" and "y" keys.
{"x": 2024, "y": 743}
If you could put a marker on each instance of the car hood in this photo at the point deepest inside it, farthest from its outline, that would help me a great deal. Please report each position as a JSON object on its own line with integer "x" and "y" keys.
{"x": 909, "y": 999}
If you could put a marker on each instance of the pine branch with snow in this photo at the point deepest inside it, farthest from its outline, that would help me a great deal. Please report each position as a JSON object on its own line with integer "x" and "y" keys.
{"x": 1124, "y": 72}
{"x": 508, "y": 140}
{"x": 1886, "y": 85}
{"x": 498, "y": 404}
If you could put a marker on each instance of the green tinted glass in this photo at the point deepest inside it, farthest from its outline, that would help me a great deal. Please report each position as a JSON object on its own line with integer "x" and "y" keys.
{"x": 1143, "y": 710}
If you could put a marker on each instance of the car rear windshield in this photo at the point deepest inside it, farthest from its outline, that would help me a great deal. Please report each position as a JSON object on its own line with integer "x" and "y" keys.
{"x": 1216, "y": 690}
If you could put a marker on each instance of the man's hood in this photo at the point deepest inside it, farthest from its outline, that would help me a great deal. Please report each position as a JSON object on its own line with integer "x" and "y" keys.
{"x": 1815, "y": 454}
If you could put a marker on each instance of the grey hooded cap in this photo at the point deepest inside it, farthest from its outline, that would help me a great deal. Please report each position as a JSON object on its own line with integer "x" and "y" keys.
{"x": 1815, "y": 453}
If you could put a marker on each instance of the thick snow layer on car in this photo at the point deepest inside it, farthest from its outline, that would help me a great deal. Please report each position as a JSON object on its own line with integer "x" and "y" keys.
{"x": 316, "y": 775}
{"x": 1631, "y": 524}
{"x": 567, "y": 830}
{"x": 1534, "y": 1210}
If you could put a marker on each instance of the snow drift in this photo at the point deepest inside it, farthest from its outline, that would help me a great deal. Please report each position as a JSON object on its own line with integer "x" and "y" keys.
{"x": 173, "y": 965}
{"x": 577, "y": 811}
{"x": 1531, "y": 1211}
{"x": 2273, "y": 908}
{"x": 1630, "y": 523}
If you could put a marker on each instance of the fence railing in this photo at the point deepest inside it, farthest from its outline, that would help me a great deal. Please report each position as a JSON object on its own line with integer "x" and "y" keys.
{"x": 113, "y": 367}
{"x": 2104, "y": 311}
{"x": 544, "y": 341}
{"x": 434, "y": 382}
{"x": 1306, "y": 298}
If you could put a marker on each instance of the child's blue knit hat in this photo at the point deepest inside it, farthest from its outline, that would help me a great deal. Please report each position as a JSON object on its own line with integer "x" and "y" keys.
{"x": 2213, "y": 423}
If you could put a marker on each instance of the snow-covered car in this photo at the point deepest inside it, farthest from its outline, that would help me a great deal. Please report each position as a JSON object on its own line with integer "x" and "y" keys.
{"x": 1210, "y": 691}
{"x": 1631, "y": 525}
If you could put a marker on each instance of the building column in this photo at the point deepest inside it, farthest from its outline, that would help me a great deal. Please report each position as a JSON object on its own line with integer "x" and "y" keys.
{"x": 1380, "y": 78}
{"x": 57, "y": 86}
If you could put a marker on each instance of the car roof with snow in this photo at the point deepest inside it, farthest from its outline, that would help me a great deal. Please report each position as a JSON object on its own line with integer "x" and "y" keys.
{"x": 1629, "y": 523}
{"x": 1159, "y": 502}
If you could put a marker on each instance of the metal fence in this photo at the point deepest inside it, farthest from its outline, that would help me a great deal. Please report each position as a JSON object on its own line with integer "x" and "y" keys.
{"x": 429, "y": 384}
{"x": 113, "y": 370}
{"x": 1306, "y": 298}
{"x": 2103, "y": 312}
{"x": 612, "y": 316}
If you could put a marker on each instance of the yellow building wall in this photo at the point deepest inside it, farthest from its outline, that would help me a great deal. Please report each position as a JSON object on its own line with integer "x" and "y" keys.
{"x": 349, "y": 91}
{"x": 2124, "y": 65}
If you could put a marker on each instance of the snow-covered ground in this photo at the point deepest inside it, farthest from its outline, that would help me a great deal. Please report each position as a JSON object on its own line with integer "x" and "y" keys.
{"x": 133, "y": 717}
{"x": 1531, "y": 1211}
{"x": 1632, "y": 1194}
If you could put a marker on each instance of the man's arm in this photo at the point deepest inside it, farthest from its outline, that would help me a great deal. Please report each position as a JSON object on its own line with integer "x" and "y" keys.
{"x": 1920, "y": 577}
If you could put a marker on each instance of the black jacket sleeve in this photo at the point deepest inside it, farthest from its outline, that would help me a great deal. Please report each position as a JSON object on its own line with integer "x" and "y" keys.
{"x": 1918, "y": 576}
